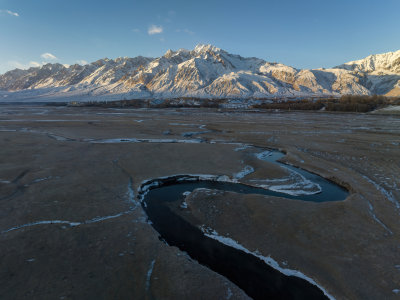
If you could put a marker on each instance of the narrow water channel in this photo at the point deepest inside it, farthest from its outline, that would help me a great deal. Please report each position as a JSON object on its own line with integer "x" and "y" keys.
{"x": 250, "y": 273}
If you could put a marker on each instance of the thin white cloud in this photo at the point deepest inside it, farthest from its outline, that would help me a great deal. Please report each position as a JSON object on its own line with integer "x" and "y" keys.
{"x": 48, "y": 56}
{"x": 14, "y": 64}
{"x": 154, "y": 29}
{"x": 9, "y": 12}
{"x": 12, "y": 13}
{"x": 82, "y": 62}
{"x": 18, "y": 65}
{"x": 34, "y": 64}
{"x": 136, "y": 30}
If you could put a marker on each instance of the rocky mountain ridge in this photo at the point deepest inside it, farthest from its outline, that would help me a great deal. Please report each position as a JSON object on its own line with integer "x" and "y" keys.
{"x": 204, "y": 72}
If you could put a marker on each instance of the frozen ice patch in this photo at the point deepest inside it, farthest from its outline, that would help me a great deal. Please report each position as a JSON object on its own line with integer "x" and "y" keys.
{"x": 149, "y": 272}
{"x": 100, "y": 219}
{"x": 372, "y": 213}
{"x": 384, "y": 192}
{"x": 72, "y": 224}
{"x": 243, "y": 147}
{"x": 295, "y": 184}
{"x": 192, "y": 133}
{"x": 246, "y": 171}
{"x": 229, "y": 293}
{"x": 266, "y": 259}
{"x": 41, "y": 179}
{"x": 135, "y": 140}
{"x": 131, "y": 194}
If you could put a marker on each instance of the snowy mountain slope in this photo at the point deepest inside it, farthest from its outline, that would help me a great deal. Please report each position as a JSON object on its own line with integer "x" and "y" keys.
{"x": 205, "y": 71}
{"x": 380, "y": 72}
{"x": 386, "y": 63}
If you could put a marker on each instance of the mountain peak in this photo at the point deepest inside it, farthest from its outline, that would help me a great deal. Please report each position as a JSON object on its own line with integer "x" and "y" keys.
{"x": 202, "y": 48}
{"x": 385, "y": 62}
{"x": 170, "y": 53}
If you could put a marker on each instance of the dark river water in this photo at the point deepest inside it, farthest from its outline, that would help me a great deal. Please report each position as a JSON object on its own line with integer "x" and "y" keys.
{"x": 250, "y": 273}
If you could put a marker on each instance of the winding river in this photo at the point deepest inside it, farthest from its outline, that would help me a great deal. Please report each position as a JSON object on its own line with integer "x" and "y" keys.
{"x": 258, "y": 279}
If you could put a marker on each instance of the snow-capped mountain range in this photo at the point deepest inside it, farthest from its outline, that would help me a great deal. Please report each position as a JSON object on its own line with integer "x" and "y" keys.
{"x": 204, "y": 72}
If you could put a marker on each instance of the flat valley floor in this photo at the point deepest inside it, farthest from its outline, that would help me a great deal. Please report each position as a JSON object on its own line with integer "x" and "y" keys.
{"x": 71, "y": 226}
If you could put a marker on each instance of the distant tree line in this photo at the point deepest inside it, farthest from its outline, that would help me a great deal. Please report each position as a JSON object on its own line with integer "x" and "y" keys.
{"x": 291, "y": 105}
{"x": 174, "y": 103}
{"x": 346, "y": 103}
{"x": 356, "y": 103}
{"x": 147, "y": 103}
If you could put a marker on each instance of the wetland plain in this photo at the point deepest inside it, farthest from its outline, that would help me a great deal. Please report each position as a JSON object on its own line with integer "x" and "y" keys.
{"x": 72, "y": 225}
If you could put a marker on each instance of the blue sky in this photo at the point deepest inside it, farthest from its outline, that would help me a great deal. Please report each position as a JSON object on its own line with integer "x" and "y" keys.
{"x": 303, "y": 34}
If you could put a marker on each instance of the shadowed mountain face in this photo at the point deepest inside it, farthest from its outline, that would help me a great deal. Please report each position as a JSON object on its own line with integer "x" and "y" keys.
{"x": 206, "y": 71}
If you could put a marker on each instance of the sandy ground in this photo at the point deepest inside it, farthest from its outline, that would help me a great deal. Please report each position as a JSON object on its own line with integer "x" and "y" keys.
{"x": 70, "y": 226}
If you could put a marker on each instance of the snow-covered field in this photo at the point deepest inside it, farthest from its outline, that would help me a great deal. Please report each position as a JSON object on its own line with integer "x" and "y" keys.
{"x": 392, "y": 109}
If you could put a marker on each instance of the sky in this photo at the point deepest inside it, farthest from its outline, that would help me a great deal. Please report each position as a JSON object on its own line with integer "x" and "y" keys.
{"x": 302, "y": 34}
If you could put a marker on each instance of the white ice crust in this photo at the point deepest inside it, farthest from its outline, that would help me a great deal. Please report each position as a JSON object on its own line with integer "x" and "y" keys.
{"x": 266, "y": 259}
